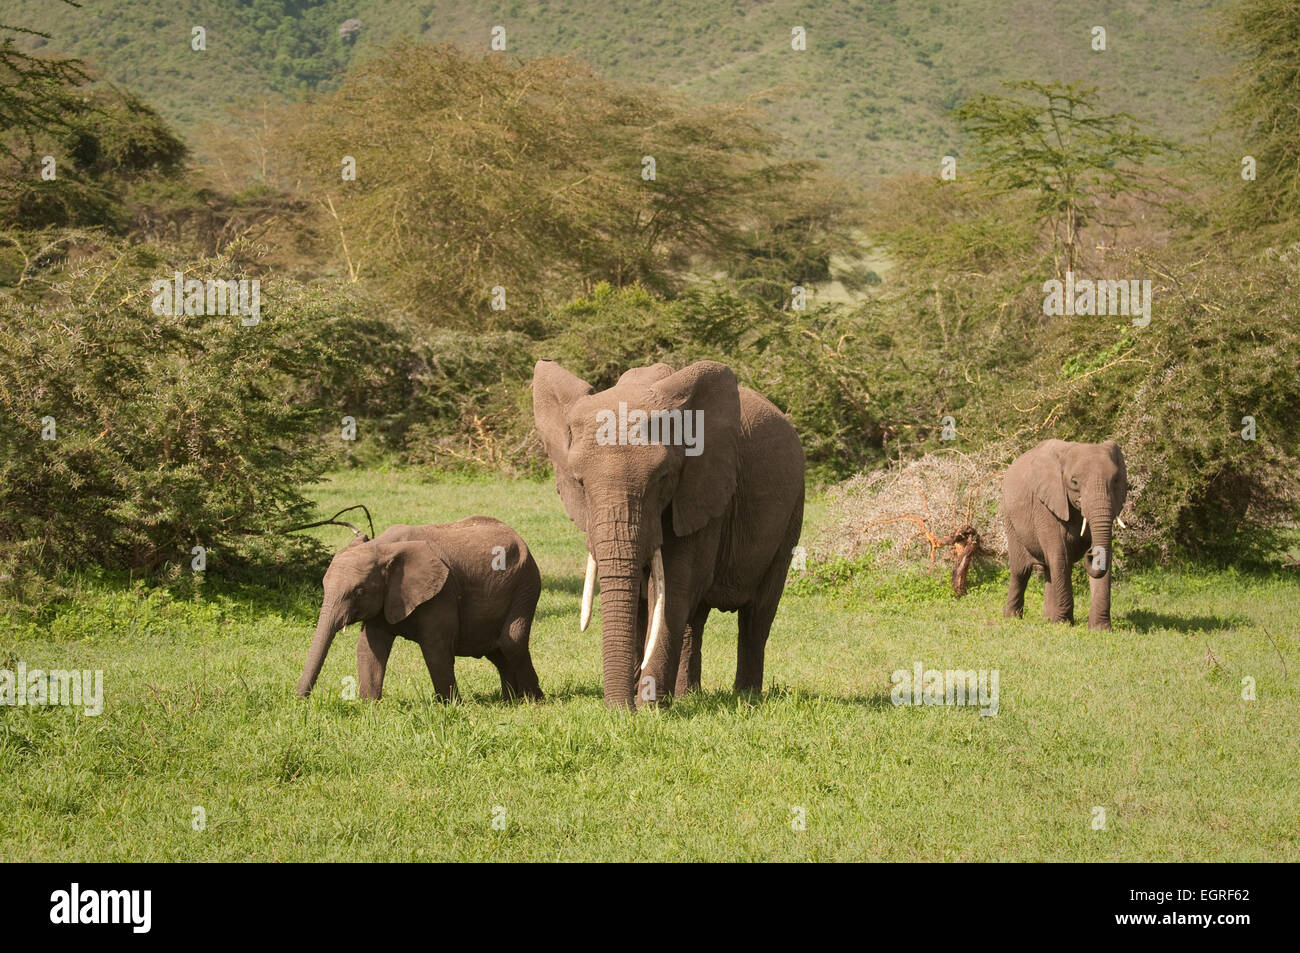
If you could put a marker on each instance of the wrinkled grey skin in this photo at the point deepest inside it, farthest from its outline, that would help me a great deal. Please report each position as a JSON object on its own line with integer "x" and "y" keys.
{"x": 437, "y": 586}
{"x": 727, "y": 519}
{"x": 1046, "y": 494}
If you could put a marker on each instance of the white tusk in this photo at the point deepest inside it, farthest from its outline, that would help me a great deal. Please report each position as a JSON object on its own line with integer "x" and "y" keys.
{"x": 1084, "y": 528}
{"x": 588, "y": 593}
{"x": 657, "y": 592}
{"x": 1120, "y": 523}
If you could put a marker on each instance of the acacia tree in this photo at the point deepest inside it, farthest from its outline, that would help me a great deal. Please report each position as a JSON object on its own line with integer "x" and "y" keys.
{"x": 26, "y": 82}
{"x": 1266, "y": 36}
{"x": 544, "y": 178}
{"x": 103, "y": 140}
{"x": 1061, "y": 150}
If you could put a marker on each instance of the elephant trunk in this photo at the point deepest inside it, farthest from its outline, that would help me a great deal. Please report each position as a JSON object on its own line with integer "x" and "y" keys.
{"x": 624, "y": 539}
{"x": 620, "y": 594}
{"x": 333, "y": 617}
{"x": 1097, "y": 511}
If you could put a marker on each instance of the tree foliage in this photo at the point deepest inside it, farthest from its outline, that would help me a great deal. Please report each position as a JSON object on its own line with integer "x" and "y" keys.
{"x": 133, "y": 436}
{"x": 1060, "y": 149}
{"x": 541, "y": 177}
{"x": 1265, "y": 34}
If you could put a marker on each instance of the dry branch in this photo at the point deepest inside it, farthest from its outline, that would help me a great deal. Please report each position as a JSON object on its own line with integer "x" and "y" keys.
{"x": 945, "y": 500}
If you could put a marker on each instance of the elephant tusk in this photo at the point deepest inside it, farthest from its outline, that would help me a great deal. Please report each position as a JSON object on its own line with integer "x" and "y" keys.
{"x": 657, "y": 592}
{"x": 1084, "y": 528}
{"x": 588, "y": 593}
{"x": 1120, "y": 523}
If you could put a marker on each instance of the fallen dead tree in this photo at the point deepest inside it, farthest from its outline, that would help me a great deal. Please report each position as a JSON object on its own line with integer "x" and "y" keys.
{"x": 945, "y": 502}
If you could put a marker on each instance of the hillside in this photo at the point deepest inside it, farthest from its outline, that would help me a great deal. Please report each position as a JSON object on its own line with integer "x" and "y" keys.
{"x": 871, "y": 93}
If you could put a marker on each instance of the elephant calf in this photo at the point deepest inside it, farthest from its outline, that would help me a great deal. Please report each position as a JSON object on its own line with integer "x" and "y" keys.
{"x": 468, "y": 588}
{"x": 1059, "y": 501}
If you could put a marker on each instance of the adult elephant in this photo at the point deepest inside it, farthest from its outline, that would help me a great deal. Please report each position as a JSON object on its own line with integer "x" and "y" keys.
{"x": 1059, "y": 501}
{"x": 689, "y": 489}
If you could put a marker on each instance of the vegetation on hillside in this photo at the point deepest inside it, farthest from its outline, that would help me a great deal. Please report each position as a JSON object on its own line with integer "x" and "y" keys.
{"x": 871, "y": 94}
{"x": 1266, "y": 36}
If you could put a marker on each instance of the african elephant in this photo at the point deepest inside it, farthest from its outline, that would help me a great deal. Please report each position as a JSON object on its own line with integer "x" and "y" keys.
{"x": 689, "y": 489}
{"x": 1058, "y": 501}
{"x": 468, "y": 588}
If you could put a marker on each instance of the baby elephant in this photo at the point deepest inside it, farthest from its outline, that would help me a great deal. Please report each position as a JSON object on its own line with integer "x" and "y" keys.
{"x": 1059, "y": 501}
{"x": 467, "y": 588}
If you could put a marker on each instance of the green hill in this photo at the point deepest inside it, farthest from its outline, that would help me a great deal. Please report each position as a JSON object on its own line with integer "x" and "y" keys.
{"x": 871, "y": 92}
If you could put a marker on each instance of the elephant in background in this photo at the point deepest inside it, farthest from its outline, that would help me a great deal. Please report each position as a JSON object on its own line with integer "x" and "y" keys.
{"x": 1059, "y": 501}
{"x": 689, "y": 490}
{"x": 468, "y": 588}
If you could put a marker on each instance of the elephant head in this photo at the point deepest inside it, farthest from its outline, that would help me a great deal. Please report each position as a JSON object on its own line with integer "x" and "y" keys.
{"x": 367, "y": 578}
{"x": 656, "y": 453}
{"x": 1090, "y": 478}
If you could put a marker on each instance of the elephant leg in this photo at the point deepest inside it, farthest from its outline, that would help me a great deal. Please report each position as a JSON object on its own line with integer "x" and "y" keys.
{"x": 688, "y": 667}
{"x": 498, "y": 658}
{"x": 1099, "y": 604}
{"x": 441, "y": 664}
{"x": 373, "y": 647}
{"x": 657, "y": 682}
{"x": 519, "y": 679}
{"x": 1058, "y": 597}
{"x": 674, "y": 652}
{"x": 755, "y": 624}
{"x": 756, "y": 618}
{"x": 1021, "y": 569}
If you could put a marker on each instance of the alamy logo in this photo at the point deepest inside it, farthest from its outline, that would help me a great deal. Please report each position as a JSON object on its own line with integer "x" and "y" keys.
{"x": 103, "y": 906}
{"x": 1103, "y": 296}
{"x": 640, "y": 429}
{"x": 193, "y": 297}
{"x": 932, "y": 686}
{"x": 37, "y": 688}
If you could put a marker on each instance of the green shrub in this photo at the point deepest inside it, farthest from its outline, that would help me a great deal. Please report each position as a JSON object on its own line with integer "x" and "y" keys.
{"x": 169, "y": 432}
{"x": 106, "y": 144}
{"x": 967, "y": 337}
{"x": 1222, "y": 345}
{"x": 808, "y": 363}
{"x": 471, "y": 405}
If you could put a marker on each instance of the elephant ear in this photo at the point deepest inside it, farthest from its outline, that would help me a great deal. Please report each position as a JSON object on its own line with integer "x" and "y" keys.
{"x": 416, "y": 573}
{"x": 1047, "y": 476}
{"x": 1118, "y": 455}
{"x": 554, "y": 391}
{"x": 708, "y": 479}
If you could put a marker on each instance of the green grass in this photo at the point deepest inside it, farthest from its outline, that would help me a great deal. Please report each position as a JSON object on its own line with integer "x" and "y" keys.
{"x": 200, "y": 711}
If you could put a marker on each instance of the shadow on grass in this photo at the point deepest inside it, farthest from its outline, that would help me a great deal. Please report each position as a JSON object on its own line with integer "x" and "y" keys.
{"x": 710, "y": 702}
{"x": 689, "y": 706}
{"x": 570, "y": 585}
{"x": 1144, "y": 622}
{"x": 571, "y": 692}
{"x": 692, "y": 705}
{"x": 491, "y": 698}
{"x": 293, "y": 592}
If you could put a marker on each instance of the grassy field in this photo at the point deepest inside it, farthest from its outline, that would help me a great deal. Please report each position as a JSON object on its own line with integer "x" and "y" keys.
{"x": 200, "y": 713}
